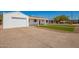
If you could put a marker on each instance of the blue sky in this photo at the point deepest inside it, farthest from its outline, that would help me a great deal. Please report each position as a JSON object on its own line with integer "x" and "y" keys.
{"x": 0, "y": 12}
{"x": 50, "y": 14}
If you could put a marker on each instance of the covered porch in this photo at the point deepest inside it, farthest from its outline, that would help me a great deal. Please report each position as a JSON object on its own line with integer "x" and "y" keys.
{"x": 36, "y": 21}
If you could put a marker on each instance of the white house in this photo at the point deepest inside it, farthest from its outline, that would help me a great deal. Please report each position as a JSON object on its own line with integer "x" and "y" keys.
{"x": 18, "y": 19}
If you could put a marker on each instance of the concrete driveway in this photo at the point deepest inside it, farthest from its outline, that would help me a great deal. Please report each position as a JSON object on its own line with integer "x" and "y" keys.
{"x": 33, "y": 37}
{"x": 0, "y": 28}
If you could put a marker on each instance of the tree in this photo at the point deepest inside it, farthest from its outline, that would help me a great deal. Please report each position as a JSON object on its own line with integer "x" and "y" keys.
{"x": 1, "y": 18}
{"x": 61, "y": 19}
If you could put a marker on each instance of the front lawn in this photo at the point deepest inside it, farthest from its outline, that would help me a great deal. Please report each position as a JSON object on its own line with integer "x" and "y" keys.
{"x": 69, "y": 27}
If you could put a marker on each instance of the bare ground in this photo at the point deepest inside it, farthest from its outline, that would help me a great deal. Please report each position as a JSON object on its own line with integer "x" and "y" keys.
{"x": 0, "y": 28}
{"x": 33, "y": 37}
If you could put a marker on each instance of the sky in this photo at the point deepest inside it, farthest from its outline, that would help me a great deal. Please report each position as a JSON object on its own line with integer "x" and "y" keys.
{"x": 1, "y": 12}
{"x": 51, "y": 14}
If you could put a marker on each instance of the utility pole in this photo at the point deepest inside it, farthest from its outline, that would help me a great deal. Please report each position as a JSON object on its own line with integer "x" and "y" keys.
{"x": 78, "y": 20}
{"x": 71, "y": 15}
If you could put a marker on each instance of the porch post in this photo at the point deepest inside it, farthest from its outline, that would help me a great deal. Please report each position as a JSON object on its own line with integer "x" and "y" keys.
{"x": 38, "y": 22}
{"x": 45, "y": 22}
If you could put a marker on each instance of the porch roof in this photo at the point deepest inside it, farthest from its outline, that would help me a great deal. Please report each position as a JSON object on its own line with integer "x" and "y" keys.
{"x": 37, "y": 18}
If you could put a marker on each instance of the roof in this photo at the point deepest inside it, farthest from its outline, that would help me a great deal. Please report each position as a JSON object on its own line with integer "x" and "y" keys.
{"x": 38, "y": 18}
{"x": 31, "y": 17}
{"x": 16, "y": 12}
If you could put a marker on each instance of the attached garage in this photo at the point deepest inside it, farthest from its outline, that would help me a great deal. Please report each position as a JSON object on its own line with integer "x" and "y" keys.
{"x": 15, "y": 20}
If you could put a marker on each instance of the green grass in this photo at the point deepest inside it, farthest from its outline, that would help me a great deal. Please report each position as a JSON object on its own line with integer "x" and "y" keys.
{"x": 68, "y": 28}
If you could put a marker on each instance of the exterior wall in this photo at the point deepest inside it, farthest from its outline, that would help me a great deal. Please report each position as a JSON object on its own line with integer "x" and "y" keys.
{"x": 38, "y": 22}
{"x": 9, "y": 22}
{"x": 42, "y": 21}
{"x": 31, "y": 22}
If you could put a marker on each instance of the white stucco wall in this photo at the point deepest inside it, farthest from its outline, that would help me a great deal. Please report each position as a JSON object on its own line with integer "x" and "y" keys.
{"x": 32, "y": 23}
{"x": 43, "y": 21}
{"x": 9, "y": 22}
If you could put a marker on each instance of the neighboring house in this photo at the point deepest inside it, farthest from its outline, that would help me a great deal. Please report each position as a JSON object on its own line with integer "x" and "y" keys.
{"x": 74, "y": 21}
{"x": 18, "y": 19}
{"x": 64, "y": 22}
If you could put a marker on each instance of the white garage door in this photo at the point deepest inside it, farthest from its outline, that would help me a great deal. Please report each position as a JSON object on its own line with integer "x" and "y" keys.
{"x": 18, "y": 22}
{"x": 13, "y": 22}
